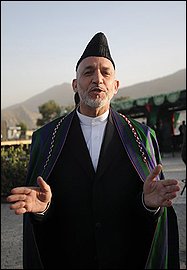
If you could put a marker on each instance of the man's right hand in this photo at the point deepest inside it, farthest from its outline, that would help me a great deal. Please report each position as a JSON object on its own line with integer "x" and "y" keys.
{"x": 30, "y": 199}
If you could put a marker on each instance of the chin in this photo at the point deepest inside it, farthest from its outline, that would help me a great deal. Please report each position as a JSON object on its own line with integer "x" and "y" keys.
{"x": 96, "y": 103}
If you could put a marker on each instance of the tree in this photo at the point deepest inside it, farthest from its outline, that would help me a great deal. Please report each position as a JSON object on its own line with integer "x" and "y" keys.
{"x": 23, "y": 129}
{"x": 49, "y": 111}
{"x": 14, "y": 164}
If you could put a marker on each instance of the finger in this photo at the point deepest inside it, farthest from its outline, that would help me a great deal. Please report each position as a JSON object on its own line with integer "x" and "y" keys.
{"x": 17, "y": 205}
{"x": 155, "y": 172}
{"x": 21, "y": 190}
{"x": 16, "y": 197}
{"x": 20, "y": 211}
{"x": 172, "y": 195}
{"x": 167, "y": 203}
{"x": 172, "y": 188}
{"x": 170, "y": 182}
{"x": 43, "y": 185}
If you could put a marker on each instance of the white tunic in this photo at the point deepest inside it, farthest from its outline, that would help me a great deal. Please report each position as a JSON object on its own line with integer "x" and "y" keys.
{"x": 93, "y": 129}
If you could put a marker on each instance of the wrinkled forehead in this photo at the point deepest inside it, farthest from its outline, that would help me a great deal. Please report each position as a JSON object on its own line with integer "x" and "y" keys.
{"x": 95, "y": 62}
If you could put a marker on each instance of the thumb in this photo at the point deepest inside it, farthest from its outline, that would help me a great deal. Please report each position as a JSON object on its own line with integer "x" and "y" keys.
{"x": 155, "y": 172}
{"x": 42, "y": 184}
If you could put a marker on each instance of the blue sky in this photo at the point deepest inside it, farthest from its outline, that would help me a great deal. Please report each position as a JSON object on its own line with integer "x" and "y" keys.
{"x": 41, "y": 41}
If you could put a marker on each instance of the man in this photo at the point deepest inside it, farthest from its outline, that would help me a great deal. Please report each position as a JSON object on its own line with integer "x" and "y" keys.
{"x": 93, "y": 198}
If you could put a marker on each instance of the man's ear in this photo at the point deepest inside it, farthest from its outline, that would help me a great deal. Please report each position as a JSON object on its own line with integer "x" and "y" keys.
{"x": 116, "y": 86}
{"x": 74, "y": 85}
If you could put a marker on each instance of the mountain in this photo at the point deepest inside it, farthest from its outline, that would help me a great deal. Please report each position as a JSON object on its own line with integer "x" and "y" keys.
{"x": 166, "y": 84}
{"x": 62, "y": 94}
{"x": 27, "y": 111}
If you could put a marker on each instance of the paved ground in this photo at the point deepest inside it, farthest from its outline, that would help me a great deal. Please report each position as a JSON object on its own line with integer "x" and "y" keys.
{"x": 11, "y": 225}
{"x": 174, "y": 167}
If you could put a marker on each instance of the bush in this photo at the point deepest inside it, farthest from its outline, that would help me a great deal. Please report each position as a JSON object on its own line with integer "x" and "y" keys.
{"x": 14, "y": 163}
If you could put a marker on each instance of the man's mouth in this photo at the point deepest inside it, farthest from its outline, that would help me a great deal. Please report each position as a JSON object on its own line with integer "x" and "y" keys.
{"x": 97, "y": 90}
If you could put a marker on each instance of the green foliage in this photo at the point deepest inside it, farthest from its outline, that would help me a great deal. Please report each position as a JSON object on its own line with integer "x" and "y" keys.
{"x": 23, "y": 126}
{"x": 23, "y": 129}
{"x": 49, "y": 111}
{"x": 14, "y": 164}
{"x": 121, "y": 99}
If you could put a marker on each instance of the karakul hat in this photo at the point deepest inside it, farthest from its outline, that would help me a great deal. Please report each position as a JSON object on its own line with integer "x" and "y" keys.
{"x": 98, "y": 46}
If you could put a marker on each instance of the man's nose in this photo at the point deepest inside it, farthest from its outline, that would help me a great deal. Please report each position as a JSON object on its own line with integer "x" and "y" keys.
{"x": 97, "y": 78}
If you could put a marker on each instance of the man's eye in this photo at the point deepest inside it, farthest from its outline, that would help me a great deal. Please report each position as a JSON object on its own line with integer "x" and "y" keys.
{"x": 106, "y": 73}
{"x": 87, "y": 73}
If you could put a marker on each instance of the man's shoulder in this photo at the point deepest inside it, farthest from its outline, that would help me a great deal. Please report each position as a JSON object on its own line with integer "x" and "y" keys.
{"x": 49, "y": 125}
{"x": 130, "y": 120}
{"x": 55, "y": 123}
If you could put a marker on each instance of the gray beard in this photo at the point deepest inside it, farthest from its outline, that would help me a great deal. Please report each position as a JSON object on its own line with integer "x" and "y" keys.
{"x": 95, "y": 103}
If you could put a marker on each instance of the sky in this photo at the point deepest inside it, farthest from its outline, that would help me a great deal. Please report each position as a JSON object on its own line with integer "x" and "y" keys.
{"x": 41, "y": 41}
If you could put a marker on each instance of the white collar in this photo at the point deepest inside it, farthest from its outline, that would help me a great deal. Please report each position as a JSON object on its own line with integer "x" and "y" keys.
{"x": 89, "y": 121}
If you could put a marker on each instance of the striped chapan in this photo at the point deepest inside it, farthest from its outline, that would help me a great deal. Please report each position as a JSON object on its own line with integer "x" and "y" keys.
{"x": 139, "y": 142}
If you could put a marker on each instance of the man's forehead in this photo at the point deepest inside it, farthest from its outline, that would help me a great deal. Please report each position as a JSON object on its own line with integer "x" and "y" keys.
{"x": 94, "y": 61}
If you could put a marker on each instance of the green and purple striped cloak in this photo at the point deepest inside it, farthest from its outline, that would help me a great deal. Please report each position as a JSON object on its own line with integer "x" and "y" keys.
{"x": 140, "y": 143}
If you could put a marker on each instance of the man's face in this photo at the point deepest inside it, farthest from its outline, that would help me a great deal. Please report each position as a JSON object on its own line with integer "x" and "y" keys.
{"x": 96, "y": 82}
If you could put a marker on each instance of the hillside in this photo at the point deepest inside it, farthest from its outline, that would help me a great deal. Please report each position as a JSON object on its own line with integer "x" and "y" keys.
{"x": 63, "y": 95}
{"x": 27, "y": 111}
{"x": 167, "y": 84}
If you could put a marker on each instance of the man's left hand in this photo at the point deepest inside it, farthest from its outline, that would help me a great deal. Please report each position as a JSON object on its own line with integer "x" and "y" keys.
{"x": 159, "y": 193}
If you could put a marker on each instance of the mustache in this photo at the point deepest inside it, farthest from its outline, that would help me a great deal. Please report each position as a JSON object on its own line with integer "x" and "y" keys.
{"x": 97, "y": 88}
